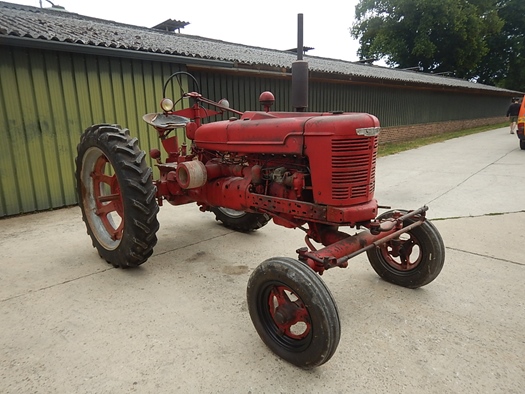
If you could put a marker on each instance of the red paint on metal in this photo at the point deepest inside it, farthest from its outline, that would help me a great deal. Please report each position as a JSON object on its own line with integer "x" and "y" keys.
{"x": 298, "y": 167}
{"x": 107, "y": 203}
{"x": 290, "y": 315}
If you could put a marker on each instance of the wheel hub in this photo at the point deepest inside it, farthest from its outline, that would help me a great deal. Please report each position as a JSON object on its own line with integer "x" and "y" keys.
{"x": 289, "y": 313}
{"x": 285, "y": 314}
{"x": 402, "y": 254}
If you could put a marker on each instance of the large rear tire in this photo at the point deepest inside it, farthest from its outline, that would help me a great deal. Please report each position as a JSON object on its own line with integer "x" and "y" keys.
{"x": 116, "y": 195}
{"x": 239, "y": 220}
{"x": 293, "y": 312}
{"x": 522, "y": 144}
{"x": 412, "y": 260}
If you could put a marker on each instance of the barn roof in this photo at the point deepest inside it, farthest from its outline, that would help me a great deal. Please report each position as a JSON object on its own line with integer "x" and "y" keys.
{"x": 54, "y": 25}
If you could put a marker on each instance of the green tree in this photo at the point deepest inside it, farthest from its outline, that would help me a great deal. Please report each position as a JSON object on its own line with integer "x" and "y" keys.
{"x": 436, "y": 36}
{"x": 504, "y": 64}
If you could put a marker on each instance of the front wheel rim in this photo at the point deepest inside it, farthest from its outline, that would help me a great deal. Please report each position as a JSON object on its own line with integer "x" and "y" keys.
{"x": 403, "y": 253}
{"x": 285, "y": 317}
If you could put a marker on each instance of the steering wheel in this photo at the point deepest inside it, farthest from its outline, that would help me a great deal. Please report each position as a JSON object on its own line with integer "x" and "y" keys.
{"x": 177, "y": 75}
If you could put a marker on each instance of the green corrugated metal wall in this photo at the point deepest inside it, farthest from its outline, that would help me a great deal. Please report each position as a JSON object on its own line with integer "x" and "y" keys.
{"x": 393, "y": 106}
{"x": 47, "y": 99}
{"x": 399, "y": 107}
{"x": 243, "y": 91}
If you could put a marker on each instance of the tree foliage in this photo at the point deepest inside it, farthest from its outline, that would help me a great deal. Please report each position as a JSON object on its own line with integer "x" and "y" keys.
{"x": 437, "y": 36}
{"x": 504, "y": 64}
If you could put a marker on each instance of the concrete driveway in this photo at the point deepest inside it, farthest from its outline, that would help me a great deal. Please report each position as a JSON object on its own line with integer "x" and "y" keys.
{"x": 70, "y": 323}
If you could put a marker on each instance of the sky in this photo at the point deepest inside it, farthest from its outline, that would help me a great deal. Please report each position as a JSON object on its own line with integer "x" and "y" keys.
{"x": 268, "y": 24}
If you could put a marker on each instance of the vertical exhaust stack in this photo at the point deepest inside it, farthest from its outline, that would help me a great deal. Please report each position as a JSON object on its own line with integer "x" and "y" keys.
{"x": 300, "y": 72}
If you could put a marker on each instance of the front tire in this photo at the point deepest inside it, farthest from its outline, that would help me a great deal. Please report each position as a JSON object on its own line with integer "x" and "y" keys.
{"x": 116, "y": 195}
{"x": 412, "y": 260}
{"x": 239, "y": 220}
{"x": 522, "y": 144}
{"x": 293, "y": 312}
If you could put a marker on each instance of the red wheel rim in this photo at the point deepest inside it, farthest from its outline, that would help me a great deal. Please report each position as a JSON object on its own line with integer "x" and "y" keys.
{"x": 289, "y": 313}
{"x": 108, "y": 199}
{"x": 403, "y": 253}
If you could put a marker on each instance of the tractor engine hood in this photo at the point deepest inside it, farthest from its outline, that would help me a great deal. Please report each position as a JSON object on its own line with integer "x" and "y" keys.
{"x": 278, "y": 132}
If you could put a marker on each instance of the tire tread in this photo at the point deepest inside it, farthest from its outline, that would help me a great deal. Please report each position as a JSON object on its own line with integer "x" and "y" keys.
{"x": 138, "y": 192}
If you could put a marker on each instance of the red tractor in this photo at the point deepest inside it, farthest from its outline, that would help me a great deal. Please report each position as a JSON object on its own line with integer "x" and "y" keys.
{"x": 311, "y": 171}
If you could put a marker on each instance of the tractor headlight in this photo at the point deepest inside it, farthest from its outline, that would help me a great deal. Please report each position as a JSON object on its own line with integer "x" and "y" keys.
{"x": 224, "y": 103}
{"x": 166, "y": 104}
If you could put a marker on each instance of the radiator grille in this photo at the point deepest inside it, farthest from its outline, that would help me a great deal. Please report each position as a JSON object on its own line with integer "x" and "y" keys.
{"x": 353, "y": 167}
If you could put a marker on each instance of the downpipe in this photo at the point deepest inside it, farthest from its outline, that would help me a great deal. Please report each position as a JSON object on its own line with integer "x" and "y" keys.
{"x": 338, "y": 253}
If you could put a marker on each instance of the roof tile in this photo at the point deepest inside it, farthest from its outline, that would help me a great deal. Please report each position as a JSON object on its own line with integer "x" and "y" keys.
{"x": 47, "y": 24}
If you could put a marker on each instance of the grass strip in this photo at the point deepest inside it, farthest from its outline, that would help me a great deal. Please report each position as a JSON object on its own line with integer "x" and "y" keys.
{"x": 391, "y": 148}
